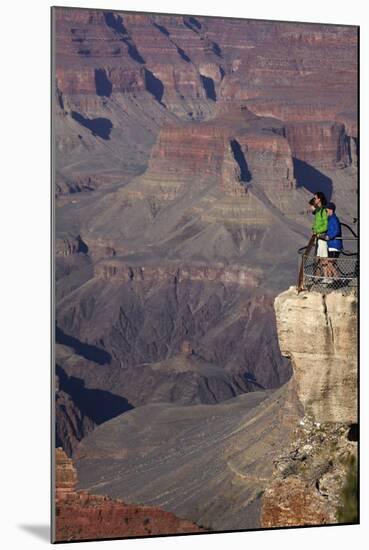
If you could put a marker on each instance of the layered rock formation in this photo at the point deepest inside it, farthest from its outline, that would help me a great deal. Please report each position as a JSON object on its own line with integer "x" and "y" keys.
{"x": 321, "y": 144}
{"x": 186, "y": 149}
{"x": 233, "y": 276}
{"x": 226, "y": 146}
{"x": 319, "y": 333}
{"x": 222, "y": 320}
{"x": 82, "y": 516}
{"x": 65, "y": 475}
{"x": 200, "y": 150}
{"x": 107, "y": 63}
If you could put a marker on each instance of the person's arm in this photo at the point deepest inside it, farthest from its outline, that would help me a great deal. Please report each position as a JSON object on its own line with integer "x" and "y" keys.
{"x": 313, "y": 227}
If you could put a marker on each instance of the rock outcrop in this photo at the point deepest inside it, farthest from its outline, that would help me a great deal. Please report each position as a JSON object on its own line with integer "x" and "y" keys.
{"x": 65, "y": 475}
{"x": 308, "y": 481}
{"x": 80, "y": 515}
{"x": 319, "y": 334}
{"x": 71, "y": 423}
{"x": 194, "y": 150}
{"x": 237, "y": 276}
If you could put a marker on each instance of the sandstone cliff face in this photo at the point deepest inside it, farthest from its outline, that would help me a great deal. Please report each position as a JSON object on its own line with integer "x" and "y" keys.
{"x": 319, "y": 333}
{"x": 82, "y": 516}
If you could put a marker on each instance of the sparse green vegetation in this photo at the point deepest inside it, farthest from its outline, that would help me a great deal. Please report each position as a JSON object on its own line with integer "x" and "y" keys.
{"x": 348, "y": 510}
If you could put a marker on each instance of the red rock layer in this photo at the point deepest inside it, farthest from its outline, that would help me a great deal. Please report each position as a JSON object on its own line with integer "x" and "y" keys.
{"x": 304, "y": 75}
{"x": 269, "y": 159}
{"x": 70, "y": 81}
{"x": 279, "y": 62}
{"x": 319, "y": 143}
{"x": 292, "y": 110}
{"x": 204, "y": 152}
{"x": 292, "y": 502}
{"x": 82, "y": 516}
{"x": 188, "y": 150}
{"x": 122, "y": 45}
{"x": 65, "y": 475}
{"x": 83, "y": 43}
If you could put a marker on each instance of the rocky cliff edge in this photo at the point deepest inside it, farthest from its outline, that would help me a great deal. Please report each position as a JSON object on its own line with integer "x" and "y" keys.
{"x": 319, "y": 334}
{"x": 315, "y": 480}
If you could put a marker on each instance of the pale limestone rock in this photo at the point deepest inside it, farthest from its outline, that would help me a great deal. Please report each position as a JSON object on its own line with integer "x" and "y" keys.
{"x": 319, "y": 333}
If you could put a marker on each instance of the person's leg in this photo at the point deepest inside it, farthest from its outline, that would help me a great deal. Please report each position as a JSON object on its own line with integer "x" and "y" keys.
{"x": 333, "y": 253}
{"x": 329, "y": 270}
{"x": 322, "y": 253}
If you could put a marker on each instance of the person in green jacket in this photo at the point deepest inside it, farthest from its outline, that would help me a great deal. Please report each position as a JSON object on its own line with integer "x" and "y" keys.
{"x": 320, "y": 224}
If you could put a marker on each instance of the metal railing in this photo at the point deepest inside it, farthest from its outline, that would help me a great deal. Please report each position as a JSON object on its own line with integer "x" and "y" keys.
{"x": 325, "y": 275}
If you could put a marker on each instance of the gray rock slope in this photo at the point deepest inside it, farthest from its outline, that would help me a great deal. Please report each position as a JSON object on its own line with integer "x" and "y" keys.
{"x": 207, "y": 463}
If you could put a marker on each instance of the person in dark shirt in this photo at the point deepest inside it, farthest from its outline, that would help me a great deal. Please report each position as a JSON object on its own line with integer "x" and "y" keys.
{"x": 334, "y": 239}
{"x": 334, "y": 233}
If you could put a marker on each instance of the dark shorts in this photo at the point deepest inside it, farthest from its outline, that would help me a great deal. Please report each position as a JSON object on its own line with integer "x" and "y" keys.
{"x": 333, "y": 253}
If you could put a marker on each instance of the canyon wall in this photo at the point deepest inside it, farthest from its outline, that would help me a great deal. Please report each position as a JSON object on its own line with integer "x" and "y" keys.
{"x": 191, "y": 69}
{"x": 186, "y": 150}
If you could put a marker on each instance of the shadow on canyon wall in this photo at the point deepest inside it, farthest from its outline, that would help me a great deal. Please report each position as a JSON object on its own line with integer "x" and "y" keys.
{"x": 109, "y": 404}
{"x": 88, "y": 351}
{"x": 104, "y": 87}
{"x": 239, "y": 156}
{"x": 154, "y": 85}
{"x": 309, "y": 177}
{"x": 209, "y": 87}
{"x": 100, "y": 127}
